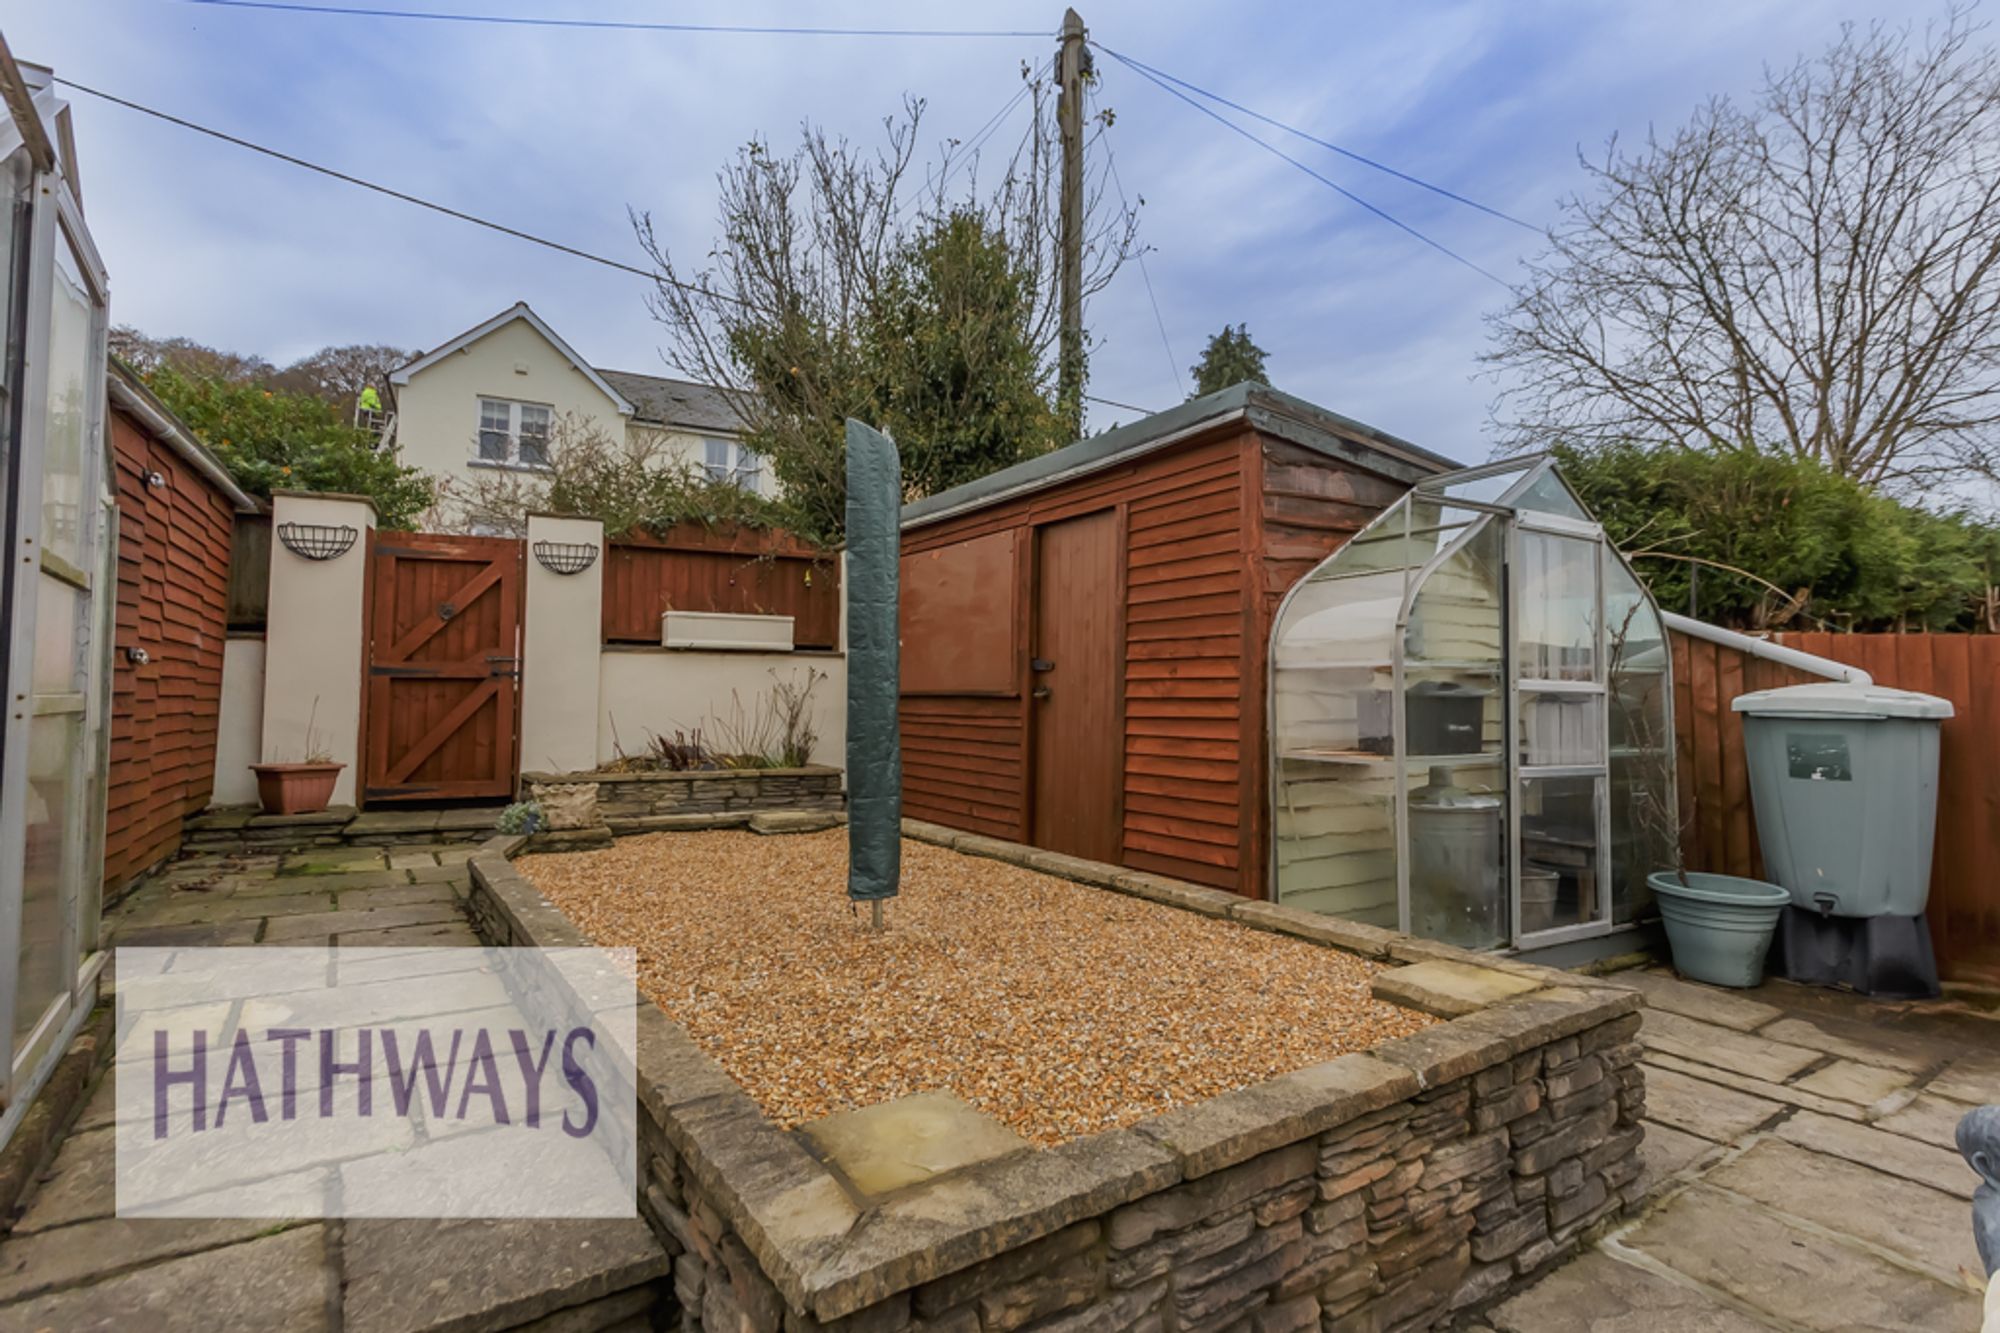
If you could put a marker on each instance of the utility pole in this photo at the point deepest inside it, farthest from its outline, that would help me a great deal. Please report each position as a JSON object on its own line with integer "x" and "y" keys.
{"x": 1072, "y": 62}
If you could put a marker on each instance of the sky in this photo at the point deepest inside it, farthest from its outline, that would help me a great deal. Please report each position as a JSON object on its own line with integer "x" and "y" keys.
{"x": 563, "y": 132}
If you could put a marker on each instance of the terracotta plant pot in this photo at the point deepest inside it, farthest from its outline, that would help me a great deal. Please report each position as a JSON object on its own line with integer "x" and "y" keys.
{"x": 295, "y": 789}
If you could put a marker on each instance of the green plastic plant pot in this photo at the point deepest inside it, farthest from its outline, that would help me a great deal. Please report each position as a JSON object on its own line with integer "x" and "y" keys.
{"x": 1719, "y": 926}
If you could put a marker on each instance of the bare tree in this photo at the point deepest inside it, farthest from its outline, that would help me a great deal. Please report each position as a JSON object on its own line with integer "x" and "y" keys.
{"x": 782, "y": 309}
{"x": 1814, "y": 273}
{"x": 339, "y": 374}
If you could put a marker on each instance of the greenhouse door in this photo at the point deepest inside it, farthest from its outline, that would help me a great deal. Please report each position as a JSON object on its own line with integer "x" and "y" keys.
{"x": 1078, "y": 748}
{"x": 1560, "y": 810}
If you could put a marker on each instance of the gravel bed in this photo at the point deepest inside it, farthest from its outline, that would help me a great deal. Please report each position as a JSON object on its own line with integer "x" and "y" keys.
{"x": 1057, "y": 1008}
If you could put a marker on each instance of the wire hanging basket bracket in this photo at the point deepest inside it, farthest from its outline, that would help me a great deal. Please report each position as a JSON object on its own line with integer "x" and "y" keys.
{"x": 317, "y": 541}
{"x": 565, "y": 557}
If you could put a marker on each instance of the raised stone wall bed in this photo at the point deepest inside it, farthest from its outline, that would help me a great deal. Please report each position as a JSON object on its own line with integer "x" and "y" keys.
{"x": 646, "y": 802}
{"x": 1388, "y": 1190}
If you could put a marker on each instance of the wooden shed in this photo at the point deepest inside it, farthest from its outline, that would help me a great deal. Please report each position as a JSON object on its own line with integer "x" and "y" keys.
{"x": 1085, "y": 634}
{"x": 177, "y": 506}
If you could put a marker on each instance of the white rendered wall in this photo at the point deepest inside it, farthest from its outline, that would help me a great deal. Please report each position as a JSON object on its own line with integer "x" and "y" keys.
{"x": 239, "y": 726}
{"x": 314, "y": 641}
{"x": 665, "y": 690}
{"x": 562, "y": 635}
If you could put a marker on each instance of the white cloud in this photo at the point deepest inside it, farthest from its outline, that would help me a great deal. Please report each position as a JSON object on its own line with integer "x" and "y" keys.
{"x": 559, "y": 131}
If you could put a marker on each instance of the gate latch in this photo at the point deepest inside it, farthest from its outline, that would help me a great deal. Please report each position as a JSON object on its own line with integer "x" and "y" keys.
{"x": 503, "y": 666}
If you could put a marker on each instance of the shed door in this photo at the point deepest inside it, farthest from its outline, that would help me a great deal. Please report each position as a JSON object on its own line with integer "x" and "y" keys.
{"x": 1077, "y": 687}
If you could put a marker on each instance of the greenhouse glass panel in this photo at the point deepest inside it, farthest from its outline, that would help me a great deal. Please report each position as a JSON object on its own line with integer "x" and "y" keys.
{"x": 1459, "y": 749}
{"x": 1645, "y": 827}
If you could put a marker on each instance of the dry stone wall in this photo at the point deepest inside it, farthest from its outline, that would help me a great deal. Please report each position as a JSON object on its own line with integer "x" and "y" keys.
{"x": 1386, "y": 1191}
{"x": 641, "y": 802}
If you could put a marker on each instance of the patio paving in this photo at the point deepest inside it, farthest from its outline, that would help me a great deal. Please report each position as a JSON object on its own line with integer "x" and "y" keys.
{"x": 70, "y": 1263}
{"x": 1800, "y": 1168}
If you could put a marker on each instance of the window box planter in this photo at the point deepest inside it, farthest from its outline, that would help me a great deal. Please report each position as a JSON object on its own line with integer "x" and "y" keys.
{"x": 295, "y": 789}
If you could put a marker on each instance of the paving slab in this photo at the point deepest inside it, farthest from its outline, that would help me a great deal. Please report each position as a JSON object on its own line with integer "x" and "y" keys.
{"x": 313, "y": 927}
{"x": 1448, "y": 989}
{"x": 1666, "y": 1152}
{"x": 1788, "y": 1093}
{"x": 1929, "y": 1119}
{"x": 1598, "y": 1294}
{"x": 1888, "y": 1049}
{"x": 407, "y": 1276}
{"x": 221, "y": 935}
{"x": 398, "y": 895}
{"x": 444, "y": 935}
{"x": 1852, "y": 1082}
{"x": 373, "y": 822}
{"x": 183, "y": 909}
{"x": 885, "y": 1147}
{"x": 78, "y": 1186}
{"x": 1726, "y": 1048}
{"x": 406, "y": 858}
{"x": 1892, "y": 1154}
{"x": 1705, "y": 1110}
{"x": 1930, "y": 1229}
{"x": 32, "y": 1264}
{"x": 331, "y": 861}
{"x": 1690, "y": 999}
{"x": 1974, "y": 1079}
{"x": 1811, "y": 1280}
{"x": 281, "y": 1283}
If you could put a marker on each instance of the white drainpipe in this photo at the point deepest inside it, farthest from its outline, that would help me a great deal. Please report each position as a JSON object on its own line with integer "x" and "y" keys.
{"x": 1764, "y": 648}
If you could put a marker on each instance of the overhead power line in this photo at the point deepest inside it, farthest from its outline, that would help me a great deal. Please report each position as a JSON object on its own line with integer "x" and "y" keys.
{"x": 1331, "y": 184}
{"x": 1365, "y": 161}
{"x": 447, "y": 211}
{"x": 610, "y": 25}
{"x": 407, "y": 198}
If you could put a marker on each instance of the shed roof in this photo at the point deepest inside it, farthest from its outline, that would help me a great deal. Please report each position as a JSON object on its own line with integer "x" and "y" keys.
{"x": 1268, "y": 410}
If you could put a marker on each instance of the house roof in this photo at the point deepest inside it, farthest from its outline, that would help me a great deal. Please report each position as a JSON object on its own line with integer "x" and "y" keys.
{"x": 130, "y": 395}
{"x": 519, "y": 310}
{"x": 1267, "y": 409}
{"x": 660, "y": 401}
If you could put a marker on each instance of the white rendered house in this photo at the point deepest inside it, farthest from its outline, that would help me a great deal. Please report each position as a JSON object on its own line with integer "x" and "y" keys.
{"x": 488, "y": 400}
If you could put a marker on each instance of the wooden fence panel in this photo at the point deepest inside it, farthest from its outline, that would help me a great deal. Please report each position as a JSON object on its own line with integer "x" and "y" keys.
{"x": 740, "y": 572}
{"x": 1719, "y": 831}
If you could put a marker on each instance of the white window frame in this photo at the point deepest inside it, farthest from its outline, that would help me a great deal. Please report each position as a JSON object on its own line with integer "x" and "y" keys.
{"x": 732, "y": 468}
{"x": 517, "y": 411}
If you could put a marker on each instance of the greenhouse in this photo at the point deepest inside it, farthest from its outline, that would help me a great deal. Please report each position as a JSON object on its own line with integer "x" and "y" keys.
{"x": 1471, "y": 737}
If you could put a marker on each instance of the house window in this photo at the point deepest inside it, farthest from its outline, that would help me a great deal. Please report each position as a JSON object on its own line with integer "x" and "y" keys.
{"x": 514, "y": 433}
{"x": 732, "y": 462}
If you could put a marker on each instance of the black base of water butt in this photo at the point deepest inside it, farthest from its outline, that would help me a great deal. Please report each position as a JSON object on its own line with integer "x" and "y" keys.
{"x": 1888, "y": 957}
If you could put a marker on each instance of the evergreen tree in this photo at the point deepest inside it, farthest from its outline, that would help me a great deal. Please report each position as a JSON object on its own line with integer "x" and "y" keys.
{"x": 1230, "y": 358}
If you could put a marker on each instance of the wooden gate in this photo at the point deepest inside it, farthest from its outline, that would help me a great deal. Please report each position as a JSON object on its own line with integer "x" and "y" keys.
{"x": 444, "y": 667}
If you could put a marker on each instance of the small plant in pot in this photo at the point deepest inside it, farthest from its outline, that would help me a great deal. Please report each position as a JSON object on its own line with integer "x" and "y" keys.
{"x": 301, "y": 788}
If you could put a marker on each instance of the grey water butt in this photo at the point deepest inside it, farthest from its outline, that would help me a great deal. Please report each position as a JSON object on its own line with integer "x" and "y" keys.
{"x": 1843, "y": 779}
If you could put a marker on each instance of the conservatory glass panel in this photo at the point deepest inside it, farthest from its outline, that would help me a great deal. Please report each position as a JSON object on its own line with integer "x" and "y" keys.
{"x": 1557, "y": 621}
{"x": 1559, "y": 845}
{"x": 1455, "y": 770}
{"x": 1644, "y": 823}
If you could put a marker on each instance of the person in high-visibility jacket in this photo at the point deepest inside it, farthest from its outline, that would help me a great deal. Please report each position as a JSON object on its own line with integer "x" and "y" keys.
{"x": 370, "y": 400}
